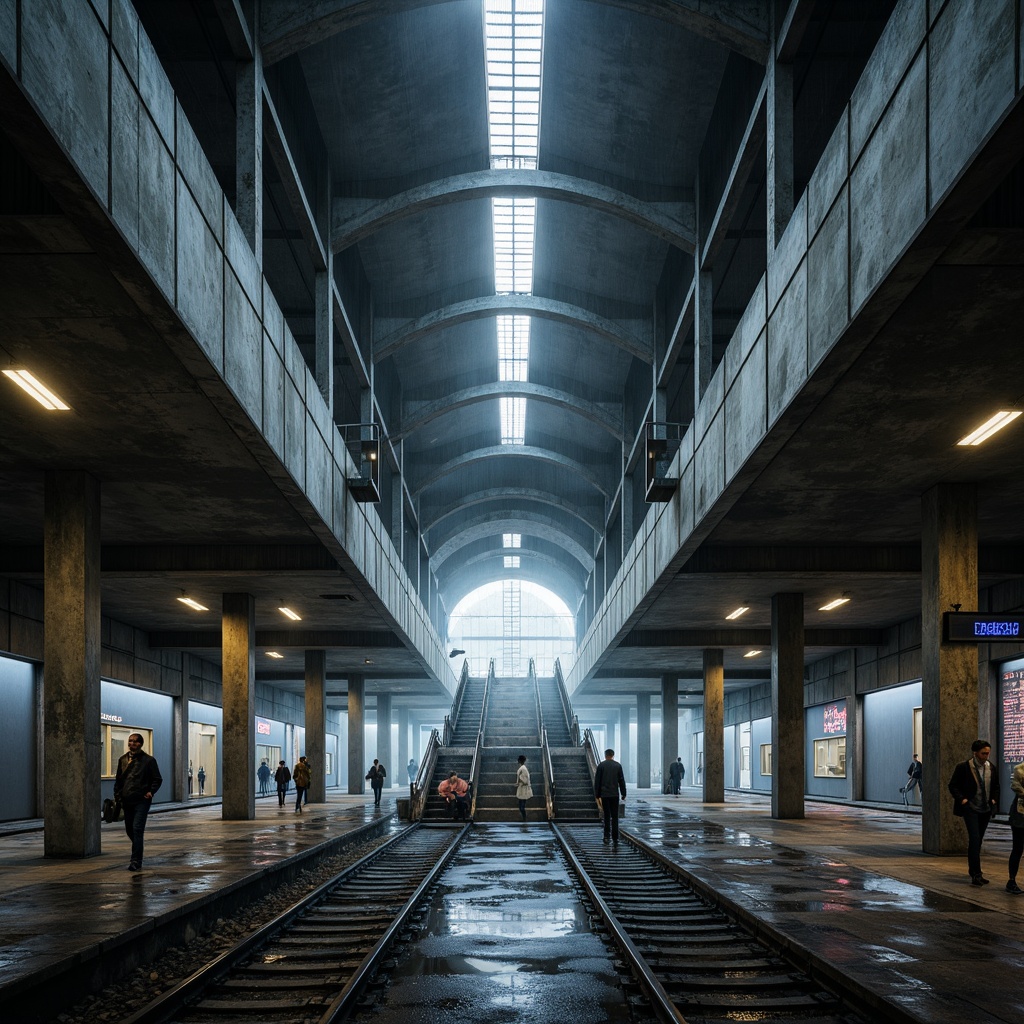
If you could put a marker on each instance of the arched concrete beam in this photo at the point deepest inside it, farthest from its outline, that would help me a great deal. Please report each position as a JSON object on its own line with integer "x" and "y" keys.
{"x": 511, "y": 305}
{"x": 352, "y": 220}
{"x": 430, "y": 411}
{"x": 505, "y": 495}
{"x": 531, "y": 527}
{"x": 505, "y": 451}
{"x": 288, "y": 28}
{"x": 559, "y": 528}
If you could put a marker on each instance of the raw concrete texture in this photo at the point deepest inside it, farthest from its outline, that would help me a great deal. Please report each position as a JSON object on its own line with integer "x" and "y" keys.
{"x": 294, "y": 431}
{"x": 787, "y": 345}
{"x": 124, "y": 154}
{"x": 828, "y": 285}
{"x": 9, "y": 31}
{"x": 887, "y": 187}
{"x": 970, "y": 82}
{"x": 156, "y": 206}
{"x": 830, "y": 174}
{"x": 198, "y": 175}
{"x": 243, "y": 337}
{"x": 319, "y": 466}
{"x": 746, "y": 409}
{"x": 273, "y": 396}
{"x": 709, "y": 466}
{"x": 791, "y": 250}
{"x": 200, "y": 278}
{"x": 155, "y": 90}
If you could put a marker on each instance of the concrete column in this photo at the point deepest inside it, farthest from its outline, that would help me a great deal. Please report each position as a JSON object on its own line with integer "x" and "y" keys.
{"x": 787, "y": 706}
{"x": 779, "y": 108}
{"x": 356, "y": 734}
{"x": 854, "y": 734}
{"x": 703, "y": 353}
{"x": 950, "y": 677}
{"x": 669, "y": 725}
{"x": 714, "y": 726}
{"x": 249, "y": 153}
{"x": 238, "y": 671}
{"x": 643, "y": 741}
{"x": 316, "y": 723}
{"x": 383, "y": 753}
{"x": 71, "y": 660}
{"x": 178, "y": 781}
{"x": 401, "y": 778}
{"x": 623, "y": 753}
{"x": 324, "y": 312}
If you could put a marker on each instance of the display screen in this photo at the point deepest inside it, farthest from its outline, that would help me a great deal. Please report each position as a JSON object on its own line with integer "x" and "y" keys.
{"x": 1013, "y": 715}
{"x": 972, "y": 627}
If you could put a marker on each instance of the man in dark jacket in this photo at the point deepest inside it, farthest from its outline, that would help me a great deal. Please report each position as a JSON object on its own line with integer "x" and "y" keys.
{"x": 376, "y": 776}
{"x": 609, "y": 782}
{"x": 975, "y": 789}
{"x": 282, "y": 777}
{"x": 137, "y": 779}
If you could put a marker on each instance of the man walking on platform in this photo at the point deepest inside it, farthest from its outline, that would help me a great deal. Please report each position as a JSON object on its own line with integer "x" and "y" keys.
{"x": 282, "y": 777}
{"x": 975, "y": 789}
{"x": 676, "y": 774}
{"x": 609, "y": 782}
{"x": 913, "y": 779}
{"x": 302, "y": 777}
{"x": 137, "y": 779}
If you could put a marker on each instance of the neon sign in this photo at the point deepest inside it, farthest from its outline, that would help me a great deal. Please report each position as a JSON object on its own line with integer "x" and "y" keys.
{"x": 835, "y": 719}
{"x": 262, "y": 727}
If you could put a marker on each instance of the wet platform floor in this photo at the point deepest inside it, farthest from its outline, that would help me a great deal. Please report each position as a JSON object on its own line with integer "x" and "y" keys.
{"x": 848, "y": 884}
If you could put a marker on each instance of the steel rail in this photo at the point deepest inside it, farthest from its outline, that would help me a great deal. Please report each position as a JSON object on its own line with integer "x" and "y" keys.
{"x": 664, "y": 1008}
{"x": 168, "y": 1003}
{"x": 339, "y": 1009}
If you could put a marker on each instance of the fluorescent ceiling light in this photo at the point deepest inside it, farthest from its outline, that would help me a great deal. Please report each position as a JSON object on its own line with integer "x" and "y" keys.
{"x": 289, "y": 614}
{"x": 274, "y": 654}
{"x": 833, "y": 604}
{"x": 738, "y": 612}
{"x": 39, "y": 391}
{"x": 751, "y": 654}
{"x": 195, "y": 605}
{"x": 989, "y": 427}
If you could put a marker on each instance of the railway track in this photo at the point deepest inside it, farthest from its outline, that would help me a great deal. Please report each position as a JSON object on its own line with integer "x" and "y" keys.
{"x": 693, "y": 962}
{"x": 314, "y": 962}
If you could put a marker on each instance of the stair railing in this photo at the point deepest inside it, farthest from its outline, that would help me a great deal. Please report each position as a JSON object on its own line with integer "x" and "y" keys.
{"x": 474, "y": 770}
{"x": 571, "y": 721}
{"x": 549, "y": 773}
{"x": 488, "y": 682}
{"x": 536, "y": 694}
{"x": 419, "y": 790}
{"x": 593, "y": 755}
{"x": 452, "y": 718}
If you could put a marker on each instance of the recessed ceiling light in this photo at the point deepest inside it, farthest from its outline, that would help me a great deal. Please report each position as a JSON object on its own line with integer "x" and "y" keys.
{"x": 738, "y": 612}
{"x": 274, "y": 654}
{"x": 289, "y": 614}
{"x": 195, "y": 605}
{"x": 751, "y": 654}
{"x": 37, "y": 389}
{"x": 989, "y": 427}
{"x": 833, "y": 604}
{"x": 367, "y": 661}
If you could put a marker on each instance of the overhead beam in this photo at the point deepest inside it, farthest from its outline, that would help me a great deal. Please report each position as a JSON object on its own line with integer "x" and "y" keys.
{"x": 506, "y": 451}
{"x": 740, "y": 27}
{"x": 682, "y": 638}
{"x": 430, "y": 411}
{"x": 190, "y": 559}
{"x": 288, "y": 28}
{"x": 353, "y": 219}
{"x": 531, "y": 526}
{"x": 236, "y": 28}
{"x": 896, "y": 559}
{"x": 308, "y": 639}
{"x": 506, "y": 496}
{"x": 514, "y": 305}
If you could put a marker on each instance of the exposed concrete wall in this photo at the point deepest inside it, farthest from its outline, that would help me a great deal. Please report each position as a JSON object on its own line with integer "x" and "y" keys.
{"x": 95, "y": 79}
{"x": 931, "y": 93}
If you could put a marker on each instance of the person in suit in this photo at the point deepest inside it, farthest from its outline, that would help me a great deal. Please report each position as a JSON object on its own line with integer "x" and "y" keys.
{"x": 974, "y": 786}
{"x": 609, "y": 783}
{"x": 282, "y": 777}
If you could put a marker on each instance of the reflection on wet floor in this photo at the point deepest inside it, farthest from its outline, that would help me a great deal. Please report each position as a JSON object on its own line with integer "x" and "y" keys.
{"x": 505, "y": 938}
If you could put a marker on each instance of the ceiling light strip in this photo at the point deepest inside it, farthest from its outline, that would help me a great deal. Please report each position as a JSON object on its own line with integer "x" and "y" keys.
{"x": 31, "y": 385}
{"x": 1001, "y": 419}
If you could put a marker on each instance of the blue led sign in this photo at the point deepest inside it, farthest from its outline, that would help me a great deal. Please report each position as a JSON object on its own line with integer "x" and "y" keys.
{"x": 973, "y": 627}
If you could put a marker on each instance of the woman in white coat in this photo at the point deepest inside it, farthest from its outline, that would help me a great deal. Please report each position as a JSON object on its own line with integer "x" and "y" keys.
{"x": 523, "y": 788}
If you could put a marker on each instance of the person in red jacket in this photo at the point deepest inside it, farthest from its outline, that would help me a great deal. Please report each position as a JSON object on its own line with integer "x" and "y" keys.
{"x": 454, "y": 790}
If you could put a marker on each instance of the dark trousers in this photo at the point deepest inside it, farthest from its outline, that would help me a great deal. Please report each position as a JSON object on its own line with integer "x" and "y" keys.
{"x": 300, "y": 791}
{"x": 522, "y": 809}
{"x": 281, "y": 790}
{"x": 376, "y": 795}
{"x": 135, "y": 815}
{"x": 1016, "y": 850}
{"x": 611, "y": 817}
{"x": 976, "y": 825}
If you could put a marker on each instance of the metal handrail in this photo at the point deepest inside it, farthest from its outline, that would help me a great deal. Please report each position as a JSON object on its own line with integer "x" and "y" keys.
{"x": 549, "y": 772}
{"x": 452, "y": 718}
{"x": 570, "y": 719}
{"x": 593, "y": 754}
{"x": 474, "y": 770}
{"x": 418, "y": 790}
{"x": 532, "y": 674}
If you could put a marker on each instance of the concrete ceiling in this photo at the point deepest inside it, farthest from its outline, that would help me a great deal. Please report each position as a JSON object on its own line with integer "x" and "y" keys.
{"x": 394, "y": 100}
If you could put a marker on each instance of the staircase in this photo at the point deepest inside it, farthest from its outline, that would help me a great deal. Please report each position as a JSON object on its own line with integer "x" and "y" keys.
{"x": 468, "y": 723}
{"x": 496, "y": 791}
{"x": 553, "y": 713}
{"x": 435, "y": 808}
{"x": 573, "y": 792}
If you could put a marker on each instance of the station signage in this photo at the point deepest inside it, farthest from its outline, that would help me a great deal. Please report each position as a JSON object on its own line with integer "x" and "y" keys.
{"x": 834, "y": 719}
{"x": 262, "y": 727}
{"x": 1013, "y": 715}
{"x": 104, "y": 717}
{"x": 975, "y": 628}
